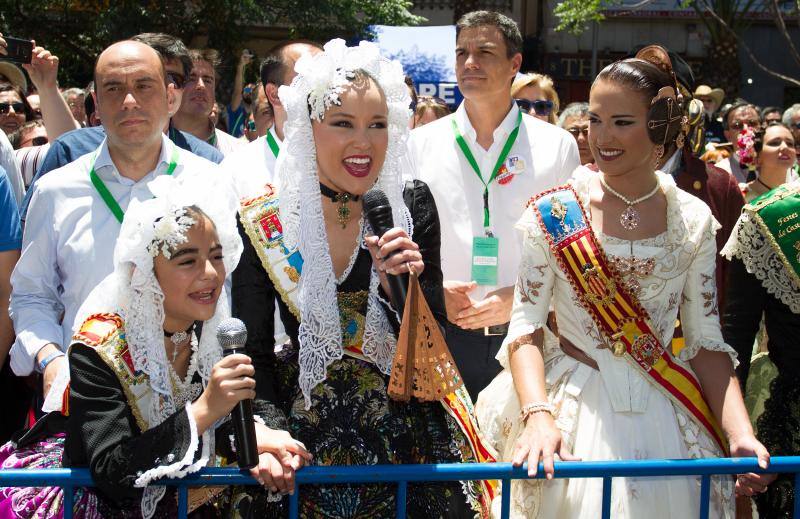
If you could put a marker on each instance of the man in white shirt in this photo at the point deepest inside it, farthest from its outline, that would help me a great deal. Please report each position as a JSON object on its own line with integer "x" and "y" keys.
{"x": 199, "y": 97}
{"x": 75, "y": 215}
{"x": 251, "y": 166}
{"x": 482, "y": 171}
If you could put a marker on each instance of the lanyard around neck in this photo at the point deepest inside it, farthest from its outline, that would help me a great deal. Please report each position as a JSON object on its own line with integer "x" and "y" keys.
{"x": 273, "y": 144}
{"x": 109, "y": 199}
{"x": 462, "y": 143}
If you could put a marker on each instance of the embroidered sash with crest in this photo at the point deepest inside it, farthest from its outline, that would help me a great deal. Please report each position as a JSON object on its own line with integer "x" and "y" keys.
{"x": 777, "y": 213}
{"x": 105, "y": 333}
{"x": 618, "y": 314}
{"x": 261, "y": 221}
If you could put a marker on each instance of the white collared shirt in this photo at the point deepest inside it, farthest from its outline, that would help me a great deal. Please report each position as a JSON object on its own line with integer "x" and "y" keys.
{"x": 545, "y": 157}
{"x": 252, "y": 166}
{"x": 226, "y": 143}
{"x": 68, "y": 245}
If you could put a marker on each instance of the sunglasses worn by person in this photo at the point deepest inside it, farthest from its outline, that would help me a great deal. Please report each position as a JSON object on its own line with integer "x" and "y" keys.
{"x": 738, "y": 125}
{"x": 540, "y": 106}
{"x": 17, "y": 106}
{"x": 39, "y": 141}
{"x": 575, "y": 131}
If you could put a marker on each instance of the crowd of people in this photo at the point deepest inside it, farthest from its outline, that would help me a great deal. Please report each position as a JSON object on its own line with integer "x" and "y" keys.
{"x": 617, "y": 279}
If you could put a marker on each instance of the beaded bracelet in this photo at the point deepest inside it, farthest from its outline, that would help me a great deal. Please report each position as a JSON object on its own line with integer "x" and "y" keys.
{"x": 536, "y": 407}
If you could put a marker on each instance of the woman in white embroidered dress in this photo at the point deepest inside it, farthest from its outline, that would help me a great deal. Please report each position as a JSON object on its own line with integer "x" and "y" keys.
{"x": 603, "y": 408}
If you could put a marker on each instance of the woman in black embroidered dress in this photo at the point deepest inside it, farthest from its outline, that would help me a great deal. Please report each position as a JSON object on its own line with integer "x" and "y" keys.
{"x": 338, "y": 316}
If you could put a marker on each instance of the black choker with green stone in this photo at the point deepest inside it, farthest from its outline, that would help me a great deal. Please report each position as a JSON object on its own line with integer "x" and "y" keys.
{"x": 343, "y": 211}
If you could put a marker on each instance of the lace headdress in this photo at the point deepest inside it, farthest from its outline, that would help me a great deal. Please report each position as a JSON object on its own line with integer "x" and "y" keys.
{"x": 319, "y": 82}
{"x": 153, "y": 227}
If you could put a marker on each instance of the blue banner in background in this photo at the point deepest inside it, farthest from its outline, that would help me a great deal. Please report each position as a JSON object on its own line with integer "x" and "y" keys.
{"x": 428, "y": 55}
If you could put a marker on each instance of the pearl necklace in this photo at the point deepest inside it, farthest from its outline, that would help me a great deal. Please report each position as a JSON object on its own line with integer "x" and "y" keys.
{"x": 629, "y": 218}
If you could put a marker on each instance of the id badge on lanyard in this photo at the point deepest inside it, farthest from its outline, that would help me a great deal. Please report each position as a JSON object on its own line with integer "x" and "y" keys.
{"x": 485, "y": 251}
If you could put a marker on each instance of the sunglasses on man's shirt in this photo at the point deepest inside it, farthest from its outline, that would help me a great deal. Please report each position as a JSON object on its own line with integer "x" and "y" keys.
{"x": 539, "y": 107}
{"x": 17, "y": 106}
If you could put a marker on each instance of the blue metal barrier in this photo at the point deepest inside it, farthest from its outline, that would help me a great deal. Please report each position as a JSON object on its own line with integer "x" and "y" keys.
{"x": 69, "y": 479}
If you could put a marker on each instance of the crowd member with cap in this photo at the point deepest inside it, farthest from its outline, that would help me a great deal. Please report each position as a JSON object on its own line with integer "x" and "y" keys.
{"x": 536, "y": 95}
{"x": 77, "y": 143}
{"x": 741, "y": 114}
{"x": 252, "y": 165}
{"x": 14, "y": 108}
{"x": 482, "y": 163}
{"x": 575, "y": 119}
{"x": 199, "y": 98}
{"x": 75, "y": 214}
{"x": 712, "y": 100}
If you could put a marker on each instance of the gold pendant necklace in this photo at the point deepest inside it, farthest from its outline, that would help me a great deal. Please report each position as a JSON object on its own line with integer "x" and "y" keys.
{"x": 343, "y": 212}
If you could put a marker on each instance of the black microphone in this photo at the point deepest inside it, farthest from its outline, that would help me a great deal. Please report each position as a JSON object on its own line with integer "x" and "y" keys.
{"x": 232, "y": 335}
{"x": 379, "y": 215}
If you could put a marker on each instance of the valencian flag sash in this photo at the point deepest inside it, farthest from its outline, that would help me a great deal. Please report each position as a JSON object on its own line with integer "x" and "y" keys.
{"x": 777, "y": 213}
{"x": 260, "y": 218}
{"x": 618, "y": 314}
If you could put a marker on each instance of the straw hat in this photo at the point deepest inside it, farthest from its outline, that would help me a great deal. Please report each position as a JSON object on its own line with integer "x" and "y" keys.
{"x": 716, "y": 94}
{"x": 14, "y": 75}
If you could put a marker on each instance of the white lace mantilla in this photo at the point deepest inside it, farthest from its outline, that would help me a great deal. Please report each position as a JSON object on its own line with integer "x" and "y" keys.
{"x": 750, "y": 243}
{"x": 319, "y": 81}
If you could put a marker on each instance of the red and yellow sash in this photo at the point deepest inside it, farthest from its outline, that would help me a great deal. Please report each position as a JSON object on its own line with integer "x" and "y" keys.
{"x": 619, "y": 316}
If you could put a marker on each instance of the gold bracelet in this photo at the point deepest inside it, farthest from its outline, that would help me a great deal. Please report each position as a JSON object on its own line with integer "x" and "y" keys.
{"x": 536, "y": 407}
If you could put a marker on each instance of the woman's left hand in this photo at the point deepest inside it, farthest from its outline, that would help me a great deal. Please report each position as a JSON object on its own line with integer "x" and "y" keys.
{"x": 747, "y": 446}
{"x": 396, "y": 241}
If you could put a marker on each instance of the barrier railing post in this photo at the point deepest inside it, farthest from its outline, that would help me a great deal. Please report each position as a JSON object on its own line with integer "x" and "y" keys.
{"x": 69, "y": 501}
{"x": 705, "y": 493}
{"x": 183, "y": 501}
{"x": 505, "y": 502}
{"x": 402, "y": 491}
{"x": 294, "y": 502}
{"x": 796, "y": 494}
{"x": 607, "y": 484}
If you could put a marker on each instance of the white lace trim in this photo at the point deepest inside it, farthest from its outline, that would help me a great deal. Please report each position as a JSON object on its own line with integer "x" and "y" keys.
{"x": 178, "y": 468}
{"x": 320, "y": 334}
{"x": 749, "y": 243}
{"x": 690, "y": 351}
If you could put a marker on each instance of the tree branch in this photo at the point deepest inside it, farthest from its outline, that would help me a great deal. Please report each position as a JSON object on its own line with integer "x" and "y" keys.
{"x": 749, "y": 52}
{"x": 781, "y": 23}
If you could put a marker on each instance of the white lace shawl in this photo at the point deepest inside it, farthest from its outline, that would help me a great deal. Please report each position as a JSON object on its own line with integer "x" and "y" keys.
{"x": 319, "y": 80}
{"x": 133, "y": 291}
{"x": 751, "y": 244}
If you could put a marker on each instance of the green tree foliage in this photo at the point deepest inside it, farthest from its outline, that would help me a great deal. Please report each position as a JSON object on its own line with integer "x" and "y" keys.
{"x": 725, "y": 20}
{"x": 77, "y": 30}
